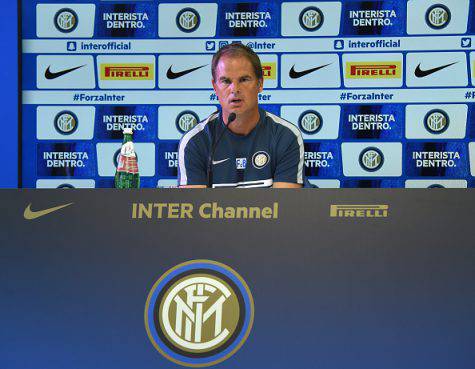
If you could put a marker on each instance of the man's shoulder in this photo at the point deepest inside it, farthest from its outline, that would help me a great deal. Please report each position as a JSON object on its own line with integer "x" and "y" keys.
{"x": 199, "y": 131}
{"x": 282, "y": 126}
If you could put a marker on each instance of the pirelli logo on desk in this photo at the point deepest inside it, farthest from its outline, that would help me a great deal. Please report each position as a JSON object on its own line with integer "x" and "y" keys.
{"x": 359, "y": 211}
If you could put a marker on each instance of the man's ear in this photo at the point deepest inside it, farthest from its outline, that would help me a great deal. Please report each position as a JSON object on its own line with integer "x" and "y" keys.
{"x": 260, "y": 83}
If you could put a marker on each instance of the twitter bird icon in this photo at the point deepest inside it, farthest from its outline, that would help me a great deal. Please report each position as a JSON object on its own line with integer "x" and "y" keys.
{"x": 466, "y": 42}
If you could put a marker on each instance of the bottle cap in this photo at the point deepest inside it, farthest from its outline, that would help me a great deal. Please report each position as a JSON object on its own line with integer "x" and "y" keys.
{"x": 127, "y": 131}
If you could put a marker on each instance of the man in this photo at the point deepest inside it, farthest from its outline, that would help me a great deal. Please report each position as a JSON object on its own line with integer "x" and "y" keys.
{"x": 243, "y": 145}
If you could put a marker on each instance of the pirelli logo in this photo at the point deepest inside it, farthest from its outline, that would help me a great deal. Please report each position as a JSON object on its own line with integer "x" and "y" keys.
{"x": 269, "y": 70}
{"x": 127, "y": 72}
{"x": 369, "y": 70}
{"x": 359, "y": 211}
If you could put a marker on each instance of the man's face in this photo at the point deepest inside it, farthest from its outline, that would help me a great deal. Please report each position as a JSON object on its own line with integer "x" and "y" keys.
{"x": 236, "y": 85}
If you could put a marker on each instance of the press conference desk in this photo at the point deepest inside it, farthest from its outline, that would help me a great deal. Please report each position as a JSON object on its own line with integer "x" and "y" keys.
{"x": 339, "y": 278}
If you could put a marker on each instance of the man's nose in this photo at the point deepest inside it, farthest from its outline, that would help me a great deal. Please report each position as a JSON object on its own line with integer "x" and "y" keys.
{"x": 234, "y": 88}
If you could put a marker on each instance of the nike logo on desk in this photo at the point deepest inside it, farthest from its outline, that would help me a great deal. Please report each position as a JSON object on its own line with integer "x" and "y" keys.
{"x": 419, "y": 73}
{"x": 54, "y": 75}
{"x": 219, "y": 161}
{"x": 174, "y": 75}
{"x": 29, "y": 214}
{"x": 294, "y": 74}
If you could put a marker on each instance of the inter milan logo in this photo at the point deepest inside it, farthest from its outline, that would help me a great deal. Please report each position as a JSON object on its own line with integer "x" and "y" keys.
{"x": 188, "y": 20}
{"x": 260, "y": 159}
{"x": 436, "y": 185}
{"x": 199, "y": 313}
{"x": 311, "y": 18}
{"x": 66, "y": 20}
{"x": 65, "y": 186}
{"x": 438, "y": 16}
{"x": 186, "y": 120}
{"x": 66, "y": 122}
{"x": 371, "y": 159}
{"x": 310, "y": 122}
{"x": 436, "y": 121}
{"x": 115, "y": 158}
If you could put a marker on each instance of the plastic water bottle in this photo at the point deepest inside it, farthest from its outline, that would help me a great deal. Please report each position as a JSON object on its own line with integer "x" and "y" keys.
{"x": 127, "y": 173}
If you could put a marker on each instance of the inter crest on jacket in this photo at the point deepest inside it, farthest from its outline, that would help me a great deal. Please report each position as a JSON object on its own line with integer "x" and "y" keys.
{"x": 260, "y": 159}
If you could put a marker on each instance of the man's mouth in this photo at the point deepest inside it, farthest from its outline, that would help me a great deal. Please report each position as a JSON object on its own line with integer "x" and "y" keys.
{"x": 235, "y": 101}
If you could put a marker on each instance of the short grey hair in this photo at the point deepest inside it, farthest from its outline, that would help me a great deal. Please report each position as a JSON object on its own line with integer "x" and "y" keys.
{"x": 235, "y": 50}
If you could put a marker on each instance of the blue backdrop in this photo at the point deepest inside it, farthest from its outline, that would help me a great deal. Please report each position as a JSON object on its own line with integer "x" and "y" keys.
{"x": 383, "y": 90}
{"x": 9, "y": 94}
{"x": 392, "y": 110}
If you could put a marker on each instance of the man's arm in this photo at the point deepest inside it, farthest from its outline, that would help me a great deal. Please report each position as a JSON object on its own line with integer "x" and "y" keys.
{"x": 286, "y": 185}
{"x": 290, "y": 163}
{"x": 192, "y": 164}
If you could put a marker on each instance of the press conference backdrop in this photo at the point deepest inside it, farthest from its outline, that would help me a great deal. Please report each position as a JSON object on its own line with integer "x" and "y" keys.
{"x": 9, "y": 93}
{"x": 383, "y": 91}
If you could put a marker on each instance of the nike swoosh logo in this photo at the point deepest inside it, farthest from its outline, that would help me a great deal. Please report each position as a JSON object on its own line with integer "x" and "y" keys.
{"x": 419, "y": 73}
{"x": 175, "y": 75}
{"x": 54, "y": 75}
{"x": 219, "y": 161}
{"x": 294, "y": 74}
{"x": 30, "y": 214}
